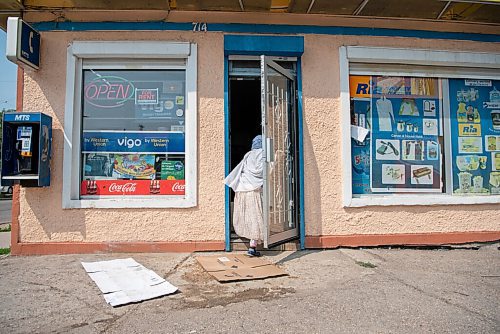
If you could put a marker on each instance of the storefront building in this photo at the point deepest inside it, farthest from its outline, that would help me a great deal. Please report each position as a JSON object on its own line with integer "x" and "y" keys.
{"x": 377, "y": 131}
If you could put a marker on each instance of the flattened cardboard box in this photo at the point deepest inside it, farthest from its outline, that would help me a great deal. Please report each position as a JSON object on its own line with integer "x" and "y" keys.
{"x": 238, "y": 267}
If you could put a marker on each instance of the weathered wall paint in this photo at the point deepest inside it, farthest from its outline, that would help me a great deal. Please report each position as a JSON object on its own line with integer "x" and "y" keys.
{"x": 42, "y": 219}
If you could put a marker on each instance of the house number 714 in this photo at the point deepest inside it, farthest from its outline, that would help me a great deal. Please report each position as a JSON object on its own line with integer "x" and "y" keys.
{"x": 199, "y": 26}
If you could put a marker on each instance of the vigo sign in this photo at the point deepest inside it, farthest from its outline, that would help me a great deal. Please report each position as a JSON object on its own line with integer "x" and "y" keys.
{"x": 130, "y": 142}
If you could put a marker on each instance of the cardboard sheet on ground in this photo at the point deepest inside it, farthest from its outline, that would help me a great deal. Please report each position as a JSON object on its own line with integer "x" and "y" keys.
{"x": 238, "y": 267}
{"x": 125, "y": 281}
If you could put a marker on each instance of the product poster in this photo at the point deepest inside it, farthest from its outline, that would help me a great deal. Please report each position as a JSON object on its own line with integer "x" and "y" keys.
{"x": 404, "y": 146}
{"x": 172, "y": 170}
{"x": 118, "y": 166}
{"x": 360, "y": 108}
{"x": 134, "y": 166}
{"x": 475, "y": 133}
{"x": 98, "y": 165}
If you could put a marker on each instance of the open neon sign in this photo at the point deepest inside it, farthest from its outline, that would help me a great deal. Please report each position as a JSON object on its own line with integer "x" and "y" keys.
{"x": 109, "y": 92}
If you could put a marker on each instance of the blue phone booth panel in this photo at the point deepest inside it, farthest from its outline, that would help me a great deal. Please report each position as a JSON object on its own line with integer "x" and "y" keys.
{"x": 26, "y": 149}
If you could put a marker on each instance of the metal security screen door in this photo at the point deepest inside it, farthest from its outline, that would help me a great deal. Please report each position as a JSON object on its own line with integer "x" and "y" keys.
{"x": 278, "y": 112}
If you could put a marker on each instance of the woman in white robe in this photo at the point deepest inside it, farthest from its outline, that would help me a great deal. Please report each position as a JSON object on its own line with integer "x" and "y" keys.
{"x": 246, "y": 179}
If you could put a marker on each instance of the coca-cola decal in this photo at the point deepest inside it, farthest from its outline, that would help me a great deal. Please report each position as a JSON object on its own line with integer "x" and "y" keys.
{"x": 178, "y": 187}
{"x": 132, "y": 187}
{"x": 128, "y": 187}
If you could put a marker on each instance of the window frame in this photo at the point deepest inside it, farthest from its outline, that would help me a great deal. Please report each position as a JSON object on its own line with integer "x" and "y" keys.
{"x": 360, "y": 60}
{"x": 134, "y": 55}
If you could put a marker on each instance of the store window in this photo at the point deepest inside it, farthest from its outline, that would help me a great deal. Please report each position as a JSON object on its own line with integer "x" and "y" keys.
{"x": 133, "y": 133}
{"x": 475, "y": 133}
{"x": 133, "y": 126}
{"x": 422, "y": 134}
{"x": 402, "y": 150}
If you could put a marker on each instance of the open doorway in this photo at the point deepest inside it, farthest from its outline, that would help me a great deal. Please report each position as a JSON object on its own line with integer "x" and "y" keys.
{"x": 244, "y": 125}
{"x": 279, "y": 128}
{"x": 245, "y": 121}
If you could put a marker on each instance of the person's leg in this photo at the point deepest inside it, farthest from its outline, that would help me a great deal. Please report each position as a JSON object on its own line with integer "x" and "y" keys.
{"x": 252, "y": 250}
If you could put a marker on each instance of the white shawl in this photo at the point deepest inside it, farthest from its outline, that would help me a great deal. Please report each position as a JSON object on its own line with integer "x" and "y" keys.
{"x": 247, "y": 176}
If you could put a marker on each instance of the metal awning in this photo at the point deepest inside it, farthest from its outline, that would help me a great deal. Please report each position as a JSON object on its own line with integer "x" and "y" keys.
{"x": 435, "y": 10}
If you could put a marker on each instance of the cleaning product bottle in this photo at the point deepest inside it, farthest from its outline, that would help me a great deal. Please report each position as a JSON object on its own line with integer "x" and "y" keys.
{"x": 477, "y": 118}
{"x": 461, "y": 113}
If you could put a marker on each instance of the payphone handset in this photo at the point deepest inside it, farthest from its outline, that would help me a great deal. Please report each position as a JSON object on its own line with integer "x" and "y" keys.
{"x": 24, "y": 146}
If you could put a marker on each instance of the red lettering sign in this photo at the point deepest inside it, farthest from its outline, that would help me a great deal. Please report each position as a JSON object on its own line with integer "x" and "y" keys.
{"x": 132, "y": 187}
{"x": 146, "y": 96}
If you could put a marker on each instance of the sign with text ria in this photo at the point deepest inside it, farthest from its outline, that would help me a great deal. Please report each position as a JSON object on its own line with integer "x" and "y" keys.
{"x": 23, "y": 43}
{"x": 359, "y": 86}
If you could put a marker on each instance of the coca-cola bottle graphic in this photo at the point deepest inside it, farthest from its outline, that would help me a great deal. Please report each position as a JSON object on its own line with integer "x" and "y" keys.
{"x": 91, "y": 187}
{"x": 154, "y": 187}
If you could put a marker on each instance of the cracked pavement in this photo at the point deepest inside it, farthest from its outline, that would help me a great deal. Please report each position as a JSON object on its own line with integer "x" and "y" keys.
{"x": 408, "y": 290}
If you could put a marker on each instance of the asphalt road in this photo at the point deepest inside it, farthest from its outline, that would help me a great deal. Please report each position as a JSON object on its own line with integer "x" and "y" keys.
{"x": 5, "y": 210}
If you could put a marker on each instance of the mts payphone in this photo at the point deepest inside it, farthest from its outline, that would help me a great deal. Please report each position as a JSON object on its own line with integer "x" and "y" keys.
{"x": 26, "y": 149}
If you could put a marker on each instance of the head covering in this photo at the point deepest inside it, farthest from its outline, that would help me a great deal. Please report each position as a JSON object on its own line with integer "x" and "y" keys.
{"x": 257, "y": 142}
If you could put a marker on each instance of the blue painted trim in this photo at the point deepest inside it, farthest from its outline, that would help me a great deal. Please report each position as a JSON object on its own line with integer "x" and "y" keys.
{"x": 302, "y": 221}
{"x": 227, "y": 156}
{"x": 265, "y": 29}
{"x": 285, "y": 46}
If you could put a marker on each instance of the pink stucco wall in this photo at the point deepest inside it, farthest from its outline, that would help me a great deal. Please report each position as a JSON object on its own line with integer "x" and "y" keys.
{"x": 43, "y": 219}
{"x": 322, "y": 153}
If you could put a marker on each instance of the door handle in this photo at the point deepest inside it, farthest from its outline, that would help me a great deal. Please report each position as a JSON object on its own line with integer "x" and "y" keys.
{"x": 269, "y": 150}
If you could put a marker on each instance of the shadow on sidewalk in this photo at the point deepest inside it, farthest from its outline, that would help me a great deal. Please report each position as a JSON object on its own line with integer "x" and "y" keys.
{"x": 294, "y": 255}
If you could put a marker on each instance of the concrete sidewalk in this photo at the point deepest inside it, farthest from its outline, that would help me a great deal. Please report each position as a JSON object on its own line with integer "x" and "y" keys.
{"x": 335, "y": 291}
